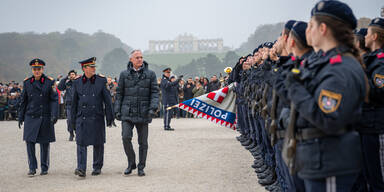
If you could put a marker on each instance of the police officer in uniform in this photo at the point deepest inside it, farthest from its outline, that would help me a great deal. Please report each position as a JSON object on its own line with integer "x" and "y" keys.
{"x": 66, "y": 85}
{"x": 328, "y": 102}
{"x": 39, "y": 111}
{"x": 169, "y": 96}
{"x": 91, "y": 102}
{"x": 372, "y": 121}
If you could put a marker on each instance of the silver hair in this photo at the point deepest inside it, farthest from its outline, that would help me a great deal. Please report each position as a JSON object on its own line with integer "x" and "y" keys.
{"x": 134, "y": 51}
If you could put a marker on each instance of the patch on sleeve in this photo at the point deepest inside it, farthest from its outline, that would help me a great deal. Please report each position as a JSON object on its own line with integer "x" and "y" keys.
{"x": 329, "y": 101}
{"x": 379, "y": 80}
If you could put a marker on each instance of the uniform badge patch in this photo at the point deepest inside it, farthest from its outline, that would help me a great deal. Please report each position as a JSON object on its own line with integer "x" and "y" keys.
{"x": 379, "y": 80}
{"x": 329, "y": 101}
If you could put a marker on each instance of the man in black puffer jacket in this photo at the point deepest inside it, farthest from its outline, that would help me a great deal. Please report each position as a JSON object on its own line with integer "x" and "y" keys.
{"x": 137, "y": 99}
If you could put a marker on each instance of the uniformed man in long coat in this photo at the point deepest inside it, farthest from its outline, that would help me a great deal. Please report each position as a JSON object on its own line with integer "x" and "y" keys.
{"x": 169, "y": 96}
{"x": 39, "y": 111}
{"x": 91, "y": 102}
{"x": 66, "y": 85}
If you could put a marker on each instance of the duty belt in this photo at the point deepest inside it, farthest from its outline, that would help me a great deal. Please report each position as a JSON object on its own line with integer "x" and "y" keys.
{"x": 303, "y": 134}
{"x": 309, "y": 133}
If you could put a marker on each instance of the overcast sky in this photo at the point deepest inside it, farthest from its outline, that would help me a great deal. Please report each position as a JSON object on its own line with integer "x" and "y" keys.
{"x": 137, "y": 22}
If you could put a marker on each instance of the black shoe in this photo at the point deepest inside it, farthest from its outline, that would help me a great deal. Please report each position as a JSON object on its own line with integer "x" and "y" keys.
{"x": 141, "y": 172}
{"x": 31, "y": 173}
{"x": 251, "y": 146}
{"x": 267, "y": 181}
{"x": 80, "y": 173}
{"x": 43, "y": 172}
{"x": 241, "y": 138}
{"x": 169, "y": 129}
{"x": 96, "y": 172}
{"x": 247, "y": 142}
{"x": 256, "y": 155}
{"x": 261, "y": 169}
{"x": 256, "y": 149}
{"x": 265, "y": 174}
{"x": 257, "y": 164}
{"x": 274, "y": 187}
{"x": 129, "y": 169}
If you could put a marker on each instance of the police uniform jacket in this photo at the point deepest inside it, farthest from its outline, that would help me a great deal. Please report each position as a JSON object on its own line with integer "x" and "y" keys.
{"x": 328, "y": 100}
{"x": 38, "y": 106}
{"x": 66, "y": 85}
{"x": 169, "y": 91}
{"x": 91, "y": 102}
{"x": 372, "y": 120}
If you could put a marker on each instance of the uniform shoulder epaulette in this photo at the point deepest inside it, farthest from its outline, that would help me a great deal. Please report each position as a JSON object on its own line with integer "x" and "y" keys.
{"x": 50, "y": 78}
{"x": 77, "y": 76}
{"x": 335, "y": 59}
{"x": 380, "y": 55}
{"x": 101, "y": 75}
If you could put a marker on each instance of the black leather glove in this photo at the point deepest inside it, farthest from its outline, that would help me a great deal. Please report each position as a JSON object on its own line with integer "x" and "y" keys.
{"x": 20, "y": 124}
{"x": 54, "y": 120}
{"x": 151, "y": 113}
{"x": 118, "y": 116}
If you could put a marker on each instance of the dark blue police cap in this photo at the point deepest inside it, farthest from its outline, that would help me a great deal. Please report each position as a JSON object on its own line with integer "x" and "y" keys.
{"x": 268, "y": 44}
{"x": 299, "y": 30}
{"x": 167, "y": 69}
{"x": 337, "y": 10}
{"x": 361, "y": 32}
{"x": 288, "y": 25}
{"x": 88, "y": 62}
{"x": 36, "y": 63}
{"x": 378, "y": 22}
{"x": 255, "y": 50}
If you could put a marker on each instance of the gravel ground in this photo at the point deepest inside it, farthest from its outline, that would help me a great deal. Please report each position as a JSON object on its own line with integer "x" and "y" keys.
{"x": 198, "y": 156}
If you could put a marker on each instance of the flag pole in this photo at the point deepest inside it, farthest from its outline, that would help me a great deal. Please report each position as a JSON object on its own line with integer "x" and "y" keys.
{"x": 171, "y": 107}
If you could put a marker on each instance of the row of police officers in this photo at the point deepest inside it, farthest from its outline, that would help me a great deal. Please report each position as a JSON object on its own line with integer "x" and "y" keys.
{"x": 310, "y": 105}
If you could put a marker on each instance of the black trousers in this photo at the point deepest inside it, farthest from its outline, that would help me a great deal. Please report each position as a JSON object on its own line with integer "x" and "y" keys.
{"x": 44, "y": 156}
{"x": 127, "y": 133}
{"x": 69, "y": 126}
{"x": 373, "y": 156}
{"x": 168, "y": 114}
{"x": 98, "y": 157}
